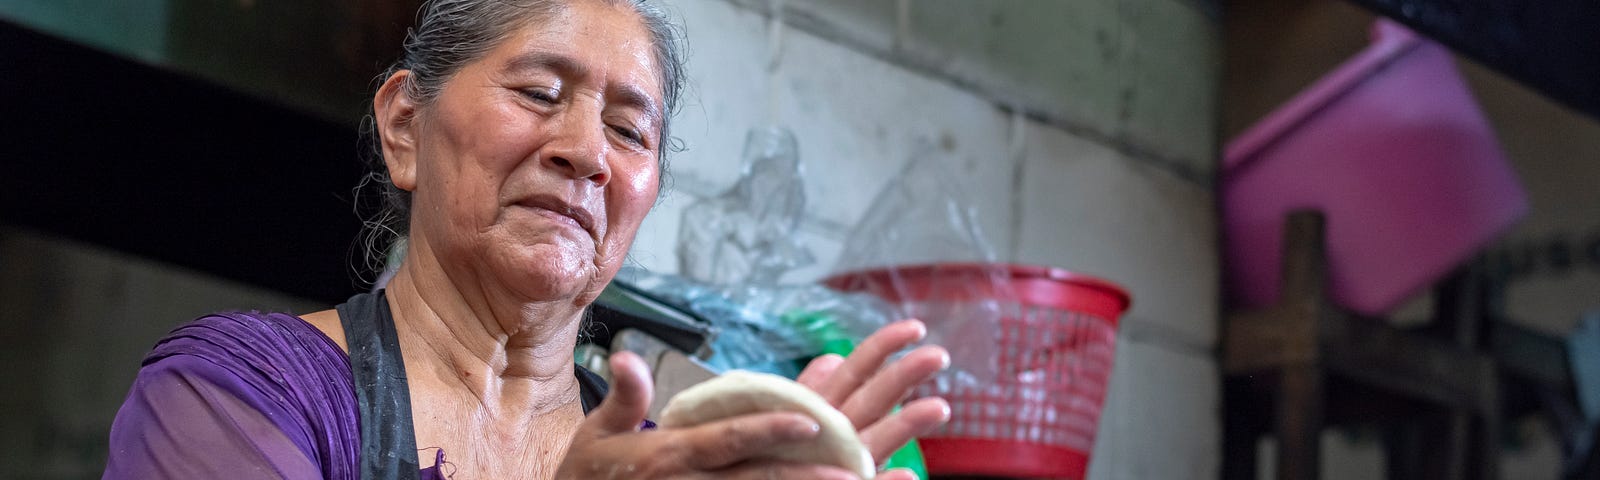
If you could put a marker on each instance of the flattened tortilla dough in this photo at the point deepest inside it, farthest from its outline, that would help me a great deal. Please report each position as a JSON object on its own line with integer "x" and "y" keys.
{"x": 739, "y": 392}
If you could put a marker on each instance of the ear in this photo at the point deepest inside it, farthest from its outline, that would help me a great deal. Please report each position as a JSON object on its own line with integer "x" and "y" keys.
{"x": 394, "y": 112}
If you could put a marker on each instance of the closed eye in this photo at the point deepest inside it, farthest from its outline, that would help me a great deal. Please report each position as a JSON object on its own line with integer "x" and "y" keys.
{"x": 542, "y": 95}
{"x": 628, "y": 133}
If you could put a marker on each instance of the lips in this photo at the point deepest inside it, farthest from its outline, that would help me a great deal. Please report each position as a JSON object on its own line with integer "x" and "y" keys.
{"x": 561, "y": 207}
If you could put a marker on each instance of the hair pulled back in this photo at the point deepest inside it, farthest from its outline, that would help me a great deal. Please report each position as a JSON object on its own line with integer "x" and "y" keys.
{"x": 449, "y": 35}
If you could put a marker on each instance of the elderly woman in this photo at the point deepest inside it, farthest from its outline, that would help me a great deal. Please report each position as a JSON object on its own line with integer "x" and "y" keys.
{"x": 524, "y": 141}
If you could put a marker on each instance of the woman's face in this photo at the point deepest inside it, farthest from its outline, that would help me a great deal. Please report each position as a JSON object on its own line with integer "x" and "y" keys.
{"x": 534, "y": 166}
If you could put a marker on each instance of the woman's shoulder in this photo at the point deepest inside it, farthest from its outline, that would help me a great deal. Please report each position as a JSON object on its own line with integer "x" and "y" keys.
{"x": 275, "y": 357}
{"x": 267, "y": 386}
{"x": 256, "y": 338}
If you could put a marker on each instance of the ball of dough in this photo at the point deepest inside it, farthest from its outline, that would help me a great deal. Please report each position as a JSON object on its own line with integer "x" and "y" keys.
{"x": 740, "y": 392}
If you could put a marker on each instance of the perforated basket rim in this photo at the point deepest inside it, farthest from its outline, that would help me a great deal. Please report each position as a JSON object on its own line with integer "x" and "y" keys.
{"x": 1016, "y": 271}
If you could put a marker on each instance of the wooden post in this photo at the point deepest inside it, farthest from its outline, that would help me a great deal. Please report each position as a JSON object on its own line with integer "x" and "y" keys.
{"x": 1301, "y": 379}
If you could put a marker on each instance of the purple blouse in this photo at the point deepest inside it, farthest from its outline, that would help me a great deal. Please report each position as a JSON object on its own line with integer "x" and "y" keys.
{"x": 242, "y": 396}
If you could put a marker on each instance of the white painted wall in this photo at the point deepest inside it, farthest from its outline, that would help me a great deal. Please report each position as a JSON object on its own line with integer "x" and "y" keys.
{"x": 1095, "y": 190}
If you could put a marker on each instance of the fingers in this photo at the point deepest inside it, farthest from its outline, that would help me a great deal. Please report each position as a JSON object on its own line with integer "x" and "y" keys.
{"x": 735, "y": 447}
{"x": 625, "y": 406}
{"x": 819, "y": 370}
{"x": 784, "y": 470}
{"x": 917, "y": 418}
{"x": 897, "y": 474}
{"x": 865, "y": 360}
{"x": 726, "y": 442}
{"x": 888, "y": 386}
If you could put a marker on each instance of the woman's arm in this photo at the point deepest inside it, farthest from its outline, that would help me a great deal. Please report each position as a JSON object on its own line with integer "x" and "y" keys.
{"x": 185, "y": 418}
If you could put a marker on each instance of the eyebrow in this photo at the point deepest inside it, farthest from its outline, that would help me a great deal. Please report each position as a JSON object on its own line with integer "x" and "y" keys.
{"x": 547, "y": 61}
{"x": 626, "y": 94}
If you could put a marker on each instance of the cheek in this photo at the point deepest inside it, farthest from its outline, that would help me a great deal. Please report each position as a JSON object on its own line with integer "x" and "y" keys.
{"x": 461, "y": 164}
{"x": 473, "y": 176}
{"x": 632, "y": 197}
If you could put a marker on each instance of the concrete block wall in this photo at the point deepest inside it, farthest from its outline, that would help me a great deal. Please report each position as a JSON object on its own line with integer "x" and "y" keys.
{"x": 1111, "y": 179}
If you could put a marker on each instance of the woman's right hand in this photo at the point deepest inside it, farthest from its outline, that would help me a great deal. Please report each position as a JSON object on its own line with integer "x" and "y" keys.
{"x": 609, "y": 445}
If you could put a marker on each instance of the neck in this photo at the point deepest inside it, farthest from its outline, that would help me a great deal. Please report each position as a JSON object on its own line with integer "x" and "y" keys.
{"x": 512, "y": 357}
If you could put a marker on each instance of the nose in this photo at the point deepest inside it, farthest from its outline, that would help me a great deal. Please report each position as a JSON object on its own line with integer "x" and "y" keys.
{"x": 578, "y": 148}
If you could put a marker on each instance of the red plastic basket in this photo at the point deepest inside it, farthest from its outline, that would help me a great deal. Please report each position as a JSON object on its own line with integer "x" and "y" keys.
{"x": 1056, "y": 346}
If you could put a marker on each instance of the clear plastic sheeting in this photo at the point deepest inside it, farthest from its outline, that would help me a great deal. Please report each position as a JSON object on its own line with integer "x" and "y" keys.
{"x": 768, "y": 328}
{"x": 922, "y": 217}
{"x": 746, "y": 234}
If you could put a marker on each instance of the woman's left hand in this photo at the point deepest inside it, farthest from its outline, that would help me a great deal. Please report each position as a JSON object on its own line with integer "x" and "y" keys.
{"x": 866, "y": 390}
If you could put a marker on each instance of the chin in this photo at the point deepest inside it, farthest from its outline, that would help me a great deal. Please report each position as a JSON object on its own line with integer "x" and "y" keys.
{"x": 543, "y": 275}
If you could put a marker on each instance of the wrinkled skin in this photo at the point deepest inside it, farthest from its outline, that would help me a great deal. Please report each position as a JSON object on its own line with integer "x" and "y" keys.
{"x": 531, "y": 173}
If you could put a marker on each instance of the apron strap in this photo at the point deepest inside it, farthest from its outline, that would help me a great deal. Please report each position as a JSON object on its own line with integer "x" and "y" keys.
{"x": 388, "y": 443}
{"x": 591, "y": 388}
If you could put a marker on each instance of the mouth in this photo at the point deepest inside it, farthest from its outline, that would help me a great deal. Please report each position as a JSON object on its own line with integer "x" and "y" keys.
{"x": 577, "y": 214}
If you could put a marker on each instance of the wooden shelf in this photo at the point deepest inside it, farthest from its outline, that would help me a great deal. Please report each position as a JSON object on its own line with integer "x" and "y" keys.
{"x": 1297, "y": 366}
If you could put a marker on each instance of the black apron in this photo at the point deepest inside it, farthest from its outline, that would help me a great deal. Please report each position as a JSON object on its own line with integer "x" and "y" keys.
{"x": 388, "y": 443}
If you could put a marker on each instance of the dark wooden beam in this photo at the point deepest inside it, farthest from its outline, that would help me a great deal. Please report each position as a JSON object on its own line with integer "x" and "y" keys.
{"x": 165, "y": 166}
{"x": 1431, "y": 369}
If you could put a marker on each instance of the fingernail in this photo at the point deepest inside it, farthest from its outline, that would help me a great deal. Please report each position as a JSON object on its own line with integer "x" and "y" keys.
{"x": 802, "y": 430}
{"x": 944, "y": 360}
{"x": 922, "y": 329}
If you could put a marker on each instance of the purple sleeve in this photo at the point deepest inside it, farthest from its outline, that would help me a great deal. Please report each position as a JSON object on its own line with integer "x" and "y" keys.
{"x": 239, "y": 396}
{"x": 185, "y": 418}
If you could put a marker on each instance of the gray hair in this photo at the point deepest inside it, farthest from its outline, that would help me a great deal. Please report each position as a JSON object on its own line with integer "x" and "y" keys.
{"x": 453, "y": 33}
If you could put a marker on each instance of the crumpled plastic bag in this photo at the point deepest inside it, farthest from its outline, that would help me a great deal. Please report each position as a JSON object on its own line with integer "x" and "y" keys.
{"x": 746, "y": 234}
{"x": 919, "y": 246}
{"x": 768, "y": 328}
